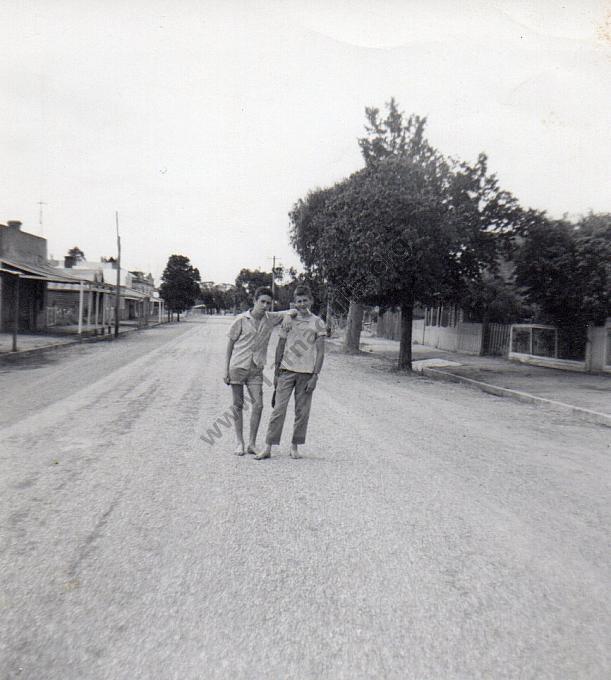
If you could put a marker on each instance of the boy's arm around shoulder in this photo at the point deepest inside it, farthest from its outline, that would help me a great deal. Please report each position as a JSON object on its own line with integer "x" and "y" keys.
{"x": 283, "y": 317}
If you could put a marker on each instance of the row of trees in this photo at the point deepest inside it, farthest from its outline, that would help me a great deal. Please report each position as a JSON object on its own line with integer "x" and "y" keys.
{"x": 285, "y": 280}
{"x": 416, "y": 227}
{"x": 181, "y": 287}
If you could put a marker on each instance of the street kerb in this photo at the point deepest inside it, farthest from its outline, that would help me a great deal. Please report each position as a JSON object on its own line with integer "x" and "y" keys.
{"x": 583, "y": 413}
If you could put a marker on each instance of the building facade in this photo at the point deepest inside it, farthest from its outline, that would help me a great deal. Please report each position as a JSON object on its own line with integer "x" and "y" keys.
{"x": 23, "y": 285}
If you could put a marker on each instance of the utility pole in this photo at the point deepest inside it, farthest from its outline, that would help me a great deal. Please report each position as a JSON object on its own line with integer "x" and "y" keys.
{"x": 118, "y": 292}
{"x": 273, "y": 280}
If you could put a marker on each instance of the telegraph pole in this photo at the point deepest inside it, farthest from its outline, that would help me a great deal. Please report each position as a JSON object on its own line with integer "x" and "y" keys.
{"x": 117, "y": 292}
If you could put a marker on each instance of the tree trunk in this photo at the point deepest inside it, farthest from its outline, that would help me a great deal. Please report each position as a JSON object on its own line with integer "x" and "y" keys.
{"x": 405, "y": 346}
{"x": 177, "y": 316}
{"x": 352, "y": 338}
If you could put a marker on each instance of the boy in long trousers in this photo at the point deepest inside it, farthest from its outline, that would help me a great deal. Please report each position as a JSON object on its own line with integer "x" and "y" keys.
{"x": 299, "y": 359}
{"x": 248, "y": 338}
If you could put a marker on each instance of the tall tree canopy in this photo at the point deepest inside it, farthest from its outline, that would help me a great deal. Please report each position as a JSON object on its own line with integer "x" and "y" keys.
{"x": 180, "y": 284}
{"x": 412, "y": 226}
{"x": 395, "y": 136}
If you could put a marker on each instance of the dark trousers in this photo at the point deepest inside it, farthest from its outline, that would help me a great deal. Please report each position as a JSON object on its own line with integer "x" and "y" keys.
{"x": 287, "y": 382}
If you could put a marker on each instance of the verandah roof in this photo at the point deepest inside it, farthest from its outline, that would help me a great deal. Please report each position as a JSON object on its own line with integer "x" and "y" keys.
{"x": 37, "y": 271}
{"x": 45, "y": 273}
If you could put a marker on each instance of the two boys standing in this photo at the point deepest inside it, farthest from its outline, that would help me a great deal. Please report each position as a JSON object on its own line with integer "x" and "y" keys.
{"x": 298, "y": 361}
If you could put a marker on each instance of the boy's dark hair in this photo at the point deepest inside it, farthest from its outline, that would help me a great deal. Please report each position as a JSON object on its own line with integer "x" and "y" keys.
{"x": 303, "y": 289}
{"x": 262, "y": 290}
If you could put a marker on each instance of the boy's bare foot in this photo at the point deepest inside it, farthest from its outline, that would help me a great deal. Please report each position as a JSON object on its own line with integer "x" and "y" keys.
{"x": 239, "y": 449}
{"x": 267, "y": 453}
{"x": 294, "y": 452}
{"x": 252, "y": 449}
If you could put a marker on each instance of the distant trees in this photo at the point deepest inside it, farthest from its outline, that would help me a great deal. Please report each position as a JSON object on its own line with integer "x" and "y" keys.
{"x": 247, "y": 282}
{"x": 180, "y": 284}
{"x": 217, "y": 297}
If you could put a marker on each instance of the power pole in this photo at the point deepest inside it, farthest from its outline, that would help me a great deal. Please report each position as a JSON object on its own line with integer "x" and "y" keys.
{"x": 118, "y": 292}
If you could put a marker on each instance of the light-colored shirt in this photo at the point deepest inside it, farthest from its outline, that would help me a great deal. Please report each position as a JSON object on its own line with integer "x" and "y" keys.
{"x": 251, "y": 338}
{"x": 300, "y": 349}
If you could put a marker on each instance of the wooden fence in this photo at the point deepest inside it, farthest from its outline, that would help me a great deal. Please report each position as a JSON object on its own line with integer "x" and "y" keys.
{"x": 496, "y": 339}
{"x": 461, "y": 337}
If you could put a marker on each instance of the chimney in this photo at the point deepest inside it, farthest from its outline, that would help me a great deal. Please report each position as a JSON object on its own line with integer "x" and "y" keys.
{"x": 14, "y": 224}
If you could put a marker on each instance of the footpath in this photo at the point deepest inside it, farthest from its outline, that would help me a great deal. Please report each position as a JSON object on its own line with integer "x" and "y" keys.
{"x": 31, "y": 344}
{"x": 585, "y": 395}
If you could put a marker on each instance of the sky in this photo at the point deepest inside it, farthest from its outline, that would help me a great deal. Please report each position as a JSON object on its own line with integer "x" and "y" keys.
{"x": 202, "y": 122}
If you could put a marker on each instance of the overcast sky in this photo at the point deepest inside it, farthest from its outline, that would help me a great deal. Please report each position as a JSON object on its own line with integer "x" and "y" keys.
{"x": 202, "y": 122}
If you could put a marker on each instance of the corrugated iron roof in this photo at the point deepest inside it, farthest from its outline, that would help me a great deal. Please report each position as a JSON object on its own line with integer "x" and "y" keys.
{"x": 44, "y": 272}
{"x": 47, "y": 273}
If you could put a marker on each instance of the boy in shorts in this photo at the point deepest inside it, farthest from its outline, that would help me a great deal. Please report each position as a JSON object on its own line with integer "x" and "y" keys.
{"x": 246, "y": 355}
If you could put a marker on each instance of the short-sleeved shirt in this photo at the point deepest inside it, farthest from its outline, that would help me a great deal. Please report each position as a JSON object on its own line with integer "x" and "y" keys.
{"x": 300, "y": 349}
{"x": 251, "y": 338}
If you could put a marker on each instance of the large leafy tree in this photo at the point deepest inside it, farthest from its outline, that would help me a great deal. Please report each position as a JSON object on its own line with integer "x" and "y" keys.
{"x": 392, "y": 136}
{"x": 412, "y": 226}
{"x": 397, "y": 240}
{"x": 180, "y": 284}
{"x": 318, "y": 238}
{"x": 326, "y": 227}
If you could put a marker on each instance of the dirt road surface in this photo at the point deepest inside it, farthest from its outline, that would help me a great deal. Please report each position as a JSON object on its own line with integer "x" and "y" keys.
{"x": 431, "y": 531}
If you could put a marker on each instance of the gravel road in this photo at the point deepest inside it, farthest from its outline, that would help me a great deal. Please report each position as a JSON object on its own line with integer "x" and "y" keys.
{"x": 430, "y": 531}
